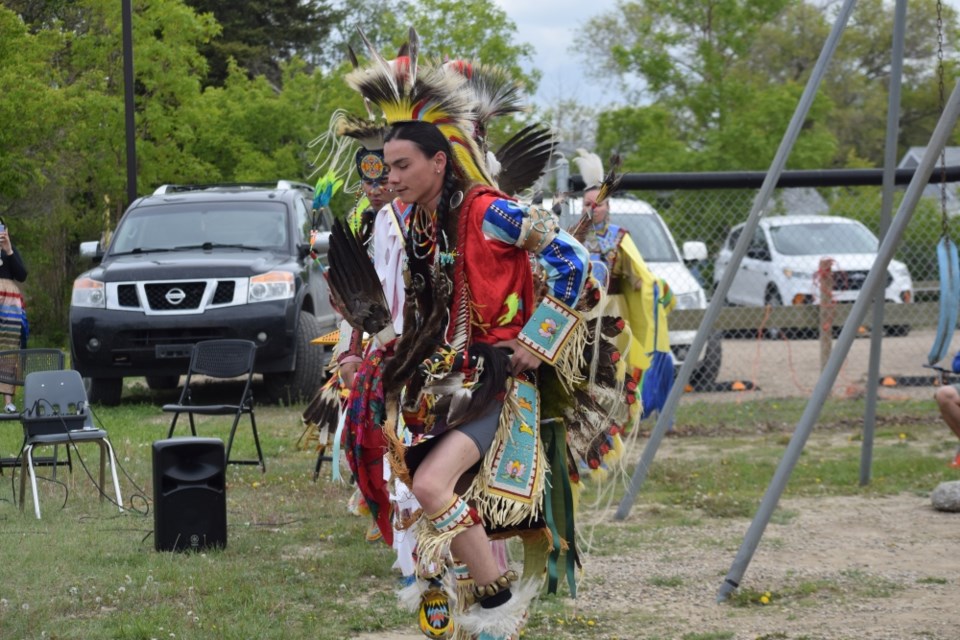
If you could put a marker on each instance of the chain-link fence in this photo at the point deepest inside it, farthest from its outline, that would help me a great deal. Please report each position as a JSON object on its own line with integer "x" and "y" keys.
{"x": 791, "y": 294}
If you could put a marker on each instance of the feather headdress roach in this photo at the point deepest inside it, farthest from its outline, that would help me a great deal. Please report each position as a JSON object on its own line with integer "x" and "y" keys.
{"x": 369, "y": 133}
{"x": 591, "y": 170}
{"x": 495, "y": 94}
{"x": 404, "y": 91}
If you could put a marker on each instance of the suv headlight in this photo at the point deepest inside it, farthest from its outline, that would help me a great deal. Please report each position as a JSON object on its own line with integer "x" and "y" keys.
{"x": 275, "y": 285}
{"x": 690, "y": 300}
{"x": 88, "y": 292}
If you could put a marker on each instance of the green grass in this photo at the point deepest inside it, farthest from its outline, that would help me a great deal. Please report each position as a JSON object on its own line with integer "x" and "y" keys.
{"x": 297, "y": 565}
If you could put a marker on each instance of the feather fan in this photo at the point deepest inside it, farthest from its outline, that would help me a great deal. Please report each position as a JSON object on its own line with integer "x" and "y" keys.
{"x": 472, "y": 403}
{"x": 611, "y": 182}
{"x": 523, "y": 158}
{"x": 354, "y": 283}
{"x": 321, "y": 415}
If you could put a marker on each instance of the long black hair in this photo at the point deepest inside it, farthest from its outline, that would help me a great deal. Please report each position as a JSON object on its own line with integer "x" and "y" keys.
{"x": 425, "y": 321}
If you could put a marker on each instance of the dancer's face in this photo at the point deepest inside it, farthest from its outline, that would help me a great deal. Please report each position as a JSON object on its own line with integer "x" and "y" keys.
{"x": 413, "y": 176}
{"x": 599, "y": 211}
{"x": 376, "y": 192}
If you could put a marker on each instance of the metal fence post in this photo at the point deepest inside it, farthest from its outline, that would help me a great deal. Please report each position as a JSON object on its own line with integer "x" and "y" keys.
{"x": 878, "y": 272}
{"x": 665, "y": 419}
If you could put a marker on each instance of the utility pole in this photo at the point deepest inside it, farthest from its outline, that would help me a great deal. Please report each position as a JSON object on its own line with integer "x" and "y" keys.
{"x": 128, "y": 101}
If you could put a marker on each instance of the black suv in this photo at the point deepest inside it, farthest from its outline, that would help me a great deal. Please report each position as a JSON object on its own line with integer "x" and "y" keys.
{"x": 202, "y": 262}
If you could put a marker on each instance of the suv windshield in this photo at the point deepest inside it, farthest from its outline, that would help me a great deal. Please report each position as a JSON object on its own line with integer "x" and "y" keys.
{"x": 649, "y": 235}
{"x": 173, "y": 227}
{"x": 823, "y": 238}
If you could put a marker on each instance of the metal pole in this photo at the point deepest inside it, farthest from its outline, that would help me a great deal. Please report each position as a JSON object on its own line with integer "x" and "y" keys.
{"x": 128, "y": 102}
{"x": 665, "y": 419}
{"x": 886, "y": 206}
{"x": 878, "y": 273}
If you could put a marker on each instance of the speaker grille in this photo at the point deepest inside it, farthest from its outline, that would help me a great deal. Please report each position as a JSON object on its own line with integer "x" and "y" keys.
{"x": 189, "y": 494}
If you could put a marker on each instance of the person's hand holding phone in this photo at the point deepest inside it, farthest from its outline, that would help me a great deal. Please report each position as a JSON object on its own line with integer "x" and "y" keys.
{"x": 5, "y": 245}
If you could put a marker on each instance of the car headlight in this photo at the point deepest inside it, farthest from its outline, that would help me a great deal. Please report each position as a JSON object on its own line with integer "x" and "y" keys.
{"x": 275, "y": 285}
{"x": 88, "y": 292}
{"x": 690, "y": 300}
{"x": 798, "y": 275}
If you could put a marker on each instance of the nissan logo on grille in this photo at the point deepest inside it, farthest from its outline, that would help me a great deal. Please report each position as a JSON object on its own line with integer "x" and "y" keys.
{"x": 175, "y": 296}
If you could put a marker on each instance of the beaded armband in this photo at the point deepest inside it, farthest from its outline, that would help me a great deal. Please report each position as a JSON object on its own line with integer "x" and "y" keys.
{"x": 538, "y": 229}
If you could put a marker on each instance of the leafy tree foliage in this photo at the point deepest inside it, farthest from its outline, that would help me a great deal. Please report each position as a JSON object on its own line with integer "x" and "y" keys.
{"x": 63, "y": 147}
{"x": 476, "y": 31}
{"x": 261, "y": 34}
{"x": 382, "y": 21}
{"x": 722, "y": 79}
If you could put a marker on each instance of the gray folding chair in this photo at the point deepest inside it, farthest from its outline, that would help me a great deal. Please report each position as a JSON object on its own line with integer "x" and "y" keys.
{"x": 14, "y": 367}
{"x": 56, "y": 412}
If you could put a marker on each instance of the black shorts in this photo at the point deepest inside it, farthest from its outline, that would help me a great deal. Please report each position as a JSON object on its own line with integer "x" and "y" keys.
{"x": 481, "y": 430}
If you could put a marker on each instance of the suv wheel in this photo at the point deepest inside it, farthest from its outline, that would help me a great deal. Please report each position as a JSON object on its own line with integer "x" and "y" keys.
{"x": 706, "y": 372}
{"x": 105, "y": 391}
{"x": 300, "y": 384}
{"x": 162, "y": 383}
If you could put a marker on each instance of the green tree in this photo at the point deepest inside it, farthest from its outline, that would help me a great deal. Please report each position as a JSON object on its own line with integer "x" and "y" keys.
{"x": 475, "y": 31}
{"x": 62, "y": 149}
{"x": 382, "y": 21}
{"x": 858, "y": 78}
{"x": 729, "y": 73}
{"x": 261, "y": 34}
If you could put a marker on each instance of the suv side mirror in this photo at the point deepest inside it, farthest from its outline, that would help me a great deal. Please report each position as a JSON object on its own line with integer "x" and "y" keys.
{"x": 321, "y": 242}
{"x": 694, "y": 251}
{"x": 91, "y": 250}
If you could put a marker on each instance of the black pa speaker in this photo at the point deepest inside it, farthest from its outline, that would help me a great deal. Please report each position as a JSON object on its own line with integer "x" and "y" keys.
{"x": 189, "y": 494}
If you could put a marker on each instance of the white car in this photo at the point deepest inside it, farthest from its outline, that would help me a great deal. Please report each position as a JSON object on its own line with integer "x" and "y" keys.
{"x": 782, "y": 260}
{"x": 659, "y": 249}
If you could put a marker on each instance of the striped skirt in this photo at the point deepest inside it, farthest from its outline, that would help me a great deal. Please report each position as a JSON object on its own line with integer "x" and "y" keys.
{"x": 13, "y": 321}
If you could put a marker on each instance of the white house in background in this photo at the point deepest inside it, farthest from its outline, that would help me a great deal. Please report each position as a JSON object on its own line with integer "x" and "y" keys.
{"x": 911, "y": 160}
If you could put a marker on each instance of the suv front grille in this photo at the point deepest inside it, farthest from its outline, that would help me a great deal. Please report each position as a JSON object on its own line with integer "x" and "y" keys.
{"x": 175, "y": 296}
{"x": 853, "y": 280}
{"x": 127, "y": 296}
{"x": 224, "y": 292}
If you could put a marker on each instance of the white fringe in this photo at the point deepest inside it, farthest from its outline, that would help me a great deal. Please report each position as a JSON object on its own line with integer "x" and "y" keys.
{"x": 506, "y": 620}
{"x": 409, "y": 596}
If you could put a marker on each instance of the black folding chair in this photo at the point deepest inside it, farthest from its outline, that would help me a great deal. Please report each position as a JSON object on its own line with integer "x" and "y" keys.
{"x": 220, "y": 359}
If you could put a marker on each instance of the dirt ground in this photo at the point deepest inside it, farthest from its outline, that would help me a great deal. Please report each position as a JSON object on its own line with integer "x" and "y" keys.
{"x": 791, "y": 368}
{"x": 891, "y": 563}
